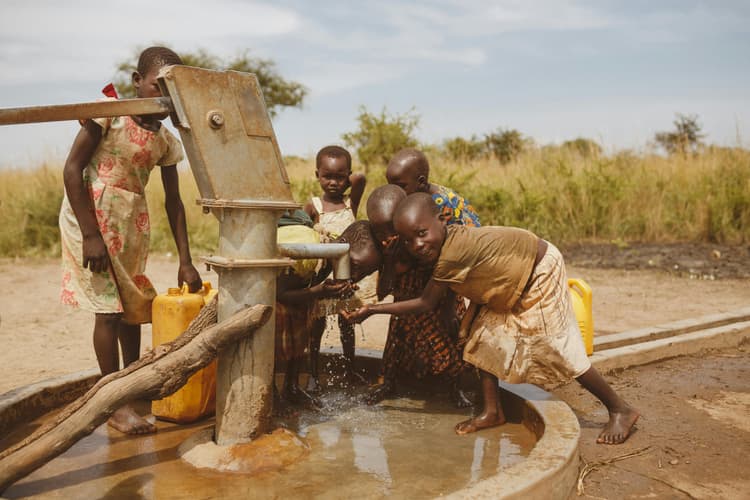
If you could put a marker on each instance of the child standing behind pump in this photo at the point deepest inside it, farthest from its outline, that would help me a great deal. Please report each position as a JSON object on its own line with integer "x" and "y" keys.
{"x": 104, "y": 225}
{"x": 520, "y": 327}
{"x": 332, "y": 213}
{"x": 297, "y": 289}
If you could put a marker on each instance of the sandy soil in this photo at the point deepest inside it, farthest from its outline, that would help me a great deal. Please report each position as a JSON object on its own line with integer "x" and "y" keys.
{"x": 695, "y": 409}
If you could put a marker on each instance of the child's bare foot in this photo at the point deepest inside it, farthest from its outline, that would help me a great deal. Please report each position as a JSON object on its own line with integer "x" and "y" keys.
{"x": 127, "y": 421}
{"x": 475, "y": 424}
{"x": 619, "y": 426}
{"x": 380, "y": 393}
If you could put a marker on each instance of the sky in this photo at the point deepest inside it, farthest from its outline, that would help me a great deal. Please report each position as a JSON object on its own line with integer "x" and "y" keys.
{"x": 613, "y": 71}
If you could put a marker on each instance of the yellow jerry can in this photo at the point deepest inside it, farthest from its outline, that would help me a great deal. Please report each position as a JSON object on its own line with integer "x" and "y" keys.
{"x": 172, "y": 312}
{"x": 580, "y": 296}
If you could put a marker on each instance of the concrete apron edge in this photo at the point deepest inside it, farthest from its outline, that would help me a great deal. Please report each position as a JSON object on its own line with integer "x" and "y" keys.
{"x": 619, "y": 358}
{"x": 673, "y": 328}
{"x": 550, "y": 471}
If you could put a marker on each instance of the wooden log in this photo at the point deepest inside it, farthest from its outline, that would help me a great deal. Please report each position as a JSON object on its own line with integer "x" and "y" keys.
{"x": 159, "y": 373}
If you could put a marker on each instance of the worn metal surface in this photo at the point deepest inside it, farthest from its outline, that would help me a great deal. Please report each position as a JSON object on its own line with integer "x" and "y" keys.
{"x": 84, "y": 110}
{"x": 227, "y": 134}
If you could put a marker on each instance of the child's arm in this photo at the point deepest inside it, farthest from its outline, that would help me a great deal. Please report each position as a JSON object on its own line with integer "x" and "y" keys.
{"x": 95, "y": 256}
{"x": 358, "y": 182}
{"x": 309, "y": 209}
{"x": 176, "y": 215}
{"x": 431, "y": 296}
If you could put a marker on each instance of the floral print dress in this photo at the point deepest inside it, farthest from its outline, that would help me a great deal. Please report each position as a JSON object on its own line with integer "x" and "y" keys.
{"x": 116, "y": 178}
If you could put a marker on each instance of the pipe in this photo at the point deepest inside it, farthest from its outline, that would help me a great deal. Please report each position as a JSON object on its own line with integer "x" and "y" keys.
{"x": 84, "y": 110}
{"x": 337, "y": 252}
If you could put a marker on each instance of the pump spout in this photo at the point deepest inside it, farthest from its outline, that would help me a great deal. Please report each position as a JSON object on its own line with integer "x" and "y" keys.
{"x": 337, "y": 252}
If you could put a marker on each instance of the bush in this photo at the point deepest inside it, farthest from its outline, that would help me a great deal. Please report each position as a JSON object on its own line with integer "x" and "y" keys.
{"x": 379, "y": 137}
{"x": 463, "y": 150}
{"x": 686, "y": 138}
{"x": 506, "y": 145}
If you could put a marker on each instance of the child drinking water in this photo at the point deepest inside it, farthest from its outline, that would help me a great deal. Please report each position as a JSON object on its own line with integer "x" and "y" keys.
{"x": 333, "y": 213}
{"x": 521, "y": 327}
{"x": 299, "y": 287}
{"x": 104, "y": 225}
{"x": 417, "y": 344}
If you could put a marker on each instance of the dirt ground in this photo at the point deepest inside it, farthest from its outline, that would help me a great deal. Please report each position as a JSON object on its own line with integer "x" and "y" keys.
{"x": 695, "y": 409}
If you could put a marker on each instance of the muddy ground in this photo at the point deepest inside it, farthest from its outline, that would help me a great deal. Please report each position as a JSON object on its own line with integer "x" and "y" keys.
{"x": 691, "y": 260}
{"x": 696, "y": 410}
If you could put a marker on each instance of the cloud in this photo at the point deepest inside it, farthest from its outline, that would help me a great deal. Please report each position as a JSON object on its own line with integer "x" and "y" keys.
{"x": 65, "y": 39}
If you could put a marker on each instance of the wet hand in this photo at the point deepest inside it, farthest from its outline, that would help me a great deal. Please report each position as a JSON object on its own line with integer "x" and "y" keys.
{"x": 336, "y": 288}
{"x": 358, "y": 315}
{"x": 187, "y": 273}
{"x": 95, "y": 255}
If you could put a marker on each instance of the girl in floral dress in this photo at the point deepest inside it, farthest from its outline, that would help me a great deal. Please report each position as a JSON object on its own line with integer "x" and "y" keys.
{"x": 104, "y": 225}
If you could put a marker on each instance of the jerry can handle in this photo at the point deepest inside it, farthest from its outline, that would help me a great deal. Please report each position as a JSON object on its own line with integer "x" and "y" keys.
{"x": 583, "y": 289}
{"x": 203, "y": 291}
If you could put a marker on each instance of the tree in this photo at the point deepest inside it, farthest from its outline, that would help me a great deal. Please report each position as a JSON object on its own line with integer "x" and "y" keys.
{"x": 381, "y": 136}
{"x": 685, "y": 138}
{"x": 459, "y": 149}
{"x": 506, "y": 145}
{"x": 587, "y": 148}
{"x": 277, "y": 91}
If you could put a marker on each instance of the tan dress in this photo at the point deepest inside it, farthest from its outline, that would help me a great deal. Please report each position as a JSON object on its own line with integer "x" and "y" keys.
{"x": 333, "y": 224}
{"x": 536, "y": 340}
{"x": 116, "y": 178}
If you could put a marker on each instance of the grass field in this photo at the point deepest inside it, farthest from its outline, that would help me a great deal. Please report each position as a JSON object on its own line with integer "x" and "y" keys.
{"x": 558, "y": 193}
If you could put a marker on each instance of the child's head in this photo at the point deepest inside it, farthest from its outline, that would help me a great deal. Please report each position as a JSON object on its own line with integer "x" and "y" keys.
{"x": 150, "y": 63}
{"x": 419, "y": 226}
{"x": 409, "y": 170}
{"x": 364, "y": 257}
{"x": 333, "y": 166}
{"x": 381, "y": 205}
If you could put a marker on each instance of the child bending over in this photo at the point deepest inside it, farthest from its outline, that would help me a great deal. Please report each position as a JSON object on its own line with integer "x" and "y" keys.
{"x": 332, "y": 213}
{"x": 104, "y": 225}
{"x": 521, "y": 327}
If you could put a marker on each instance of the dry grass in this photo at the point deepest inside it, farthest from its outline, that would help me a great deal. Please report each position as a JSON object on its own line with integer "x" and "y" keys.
{"x": 555, "y": 192}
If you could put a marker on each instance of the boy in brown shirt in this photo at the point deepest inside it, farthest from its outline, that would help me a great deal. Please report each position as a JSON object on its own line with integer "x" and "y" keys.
{"x": 520, "y": 326}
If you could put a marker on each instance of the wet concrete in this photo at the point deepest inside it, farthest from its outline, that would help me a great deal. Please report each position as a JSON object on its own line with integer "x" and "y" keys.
{"x": 404, "y": 447}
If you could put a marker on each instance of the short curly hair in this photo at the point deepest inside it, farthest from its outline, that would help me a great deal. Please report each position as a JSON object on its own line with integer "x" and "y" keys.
{"x": 156, "y": 57}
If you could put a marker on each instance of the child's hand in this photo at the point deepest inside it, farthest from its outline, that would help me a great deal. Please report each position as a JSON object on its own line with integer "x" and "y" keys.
{"x": 335, "y": 288}
{"x": 358, "y": 315}
{"x": 95, "y": 255}
{"x": 187, "y": 273}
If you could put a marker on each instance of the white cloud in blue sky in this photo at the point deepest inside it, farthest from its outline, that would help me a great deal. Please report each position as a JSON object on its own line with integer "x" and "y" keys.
{"x": 616, "y": 71}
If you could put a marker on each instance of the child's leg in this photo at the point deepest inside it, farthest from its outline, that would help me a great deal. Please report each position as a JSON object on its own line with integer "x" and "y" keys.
{"x": 108, "y": 328}
{"x": 346, "y": 334}
{"x": 492, "y": 414}
{"x": 622, "y": 416}
{"x": 292, "y": 391}
{"x": 105, "y": 342}
{"x": 130, "y": 343}
{"x": 316, "y": 335}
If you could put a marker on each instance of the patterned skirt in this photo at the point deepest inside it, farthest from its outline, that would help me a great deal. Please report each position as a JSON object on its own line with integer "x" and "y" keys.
{"x": 422, "y": 344}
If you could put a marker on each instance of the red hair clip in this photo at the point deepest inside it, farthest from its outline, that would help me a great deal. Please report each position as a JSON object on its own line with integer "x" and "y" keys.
{"x": 110, "y": 91}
